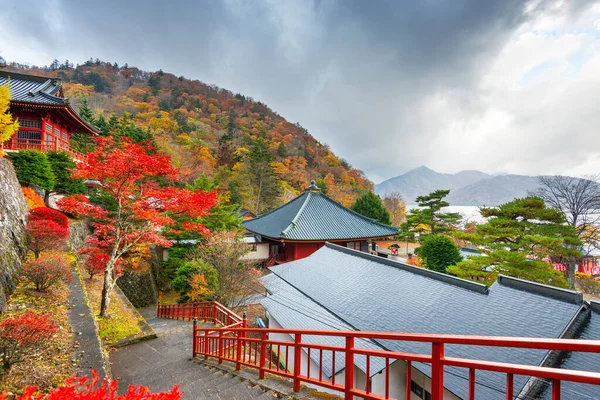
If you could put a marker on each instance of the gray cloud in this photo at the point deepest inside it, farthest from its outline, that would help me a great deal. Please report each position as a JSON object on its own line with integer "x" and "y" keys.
{"x": 389, "y": 85}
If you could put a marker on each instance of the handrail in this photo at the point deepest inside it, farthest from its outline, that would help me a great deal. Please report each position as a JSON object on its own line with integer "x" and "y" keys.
{"x": 40, "y": 145}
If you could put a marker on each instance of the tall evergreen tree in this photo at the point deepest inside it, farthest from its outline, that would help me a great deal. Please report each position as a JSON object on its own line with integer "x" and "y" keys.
{"x": 518, "y": 240}
{"x": 85, "y": 112}
{"x": 370, "y": 205}
{"x": 62, "y": 166}
{"x": 33, "y": 169}
{"x": 428, "y": 217}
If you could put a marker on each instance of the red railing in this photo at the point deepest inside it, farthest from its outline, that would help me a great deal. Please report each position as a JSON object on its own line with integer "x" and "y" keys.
{"x": 39, "y": 145}
{"x": 255, "y": 348}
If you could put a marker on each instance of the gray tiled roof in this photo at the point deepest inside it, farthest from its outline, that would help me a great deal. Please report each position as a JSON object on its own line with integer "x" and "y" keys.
{"x": 582, "y": 361}
{"x": 31, "y": 88}
{"x": 293, "y": 310}
{"x": 375, "y": 294}
{"x": 314, "y": 216}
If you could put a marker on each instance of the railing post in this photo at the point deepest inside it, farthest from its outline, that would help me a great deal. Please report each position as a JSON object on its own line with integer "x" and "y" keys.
{"x": 297, "y": 361}
{"x": 194, "y": 337}
{"x": 437, "y": 371}
{"x": 408, "y": 378}
{"x": 214, "y": 313}
{"x": 194, "y": 311}
{"x": 349, "y": 370}
{"x": 263, "y": 355}
{"x": 206, "y": 344}
{"x": 555, "y": 389}
{"x": 220, "y": 347}
{"x": 157, "y": 310}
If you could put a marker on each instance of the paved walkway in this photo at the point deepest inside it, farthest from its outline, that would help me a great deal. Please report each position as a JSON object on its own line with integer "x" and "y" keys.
{"x": 160, "y": 363}
{"x": 88, "y": 348}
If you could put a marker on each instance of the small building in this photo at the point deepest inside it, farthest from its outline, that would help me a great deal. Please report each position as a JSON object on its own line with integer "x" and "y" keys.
{"x": 302, "y": 226}
{"x": 344, "y": 289}
{"x": 46, "y": 119}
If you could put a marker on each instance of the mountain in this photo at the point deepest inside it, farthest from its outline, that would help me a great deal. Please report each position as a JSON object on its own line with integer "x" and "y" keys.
{"x": 467, "y": 188}
{"x": 206, "y": 130}
{"x": 423, "y": 180}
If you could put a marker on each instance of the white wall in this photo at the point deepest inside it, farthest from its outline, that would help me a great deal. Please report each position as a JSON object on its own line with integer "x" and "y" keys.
{"x": 261, "y": 253}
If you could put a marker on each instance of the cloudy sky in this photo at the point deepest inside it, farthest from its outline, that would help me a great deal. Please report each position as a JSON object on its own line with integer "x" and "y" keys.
{"x": 501, "y": 86}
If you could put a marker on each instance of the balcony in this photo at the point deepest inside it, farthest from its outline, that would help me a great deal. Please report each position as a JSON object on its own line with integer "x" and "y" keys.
{"x": 40, "y": 145}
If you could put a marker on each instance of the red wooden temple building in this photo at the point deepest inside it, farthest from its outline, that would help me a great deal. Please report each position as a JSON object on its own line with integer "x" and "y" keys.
{"x": 46, "y": 119}
{"x": 299, "y": 228}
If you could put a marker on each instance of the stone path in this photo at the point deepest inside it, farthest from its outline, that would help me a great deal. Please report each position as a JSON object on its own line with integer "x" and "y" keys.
{"x": 160, "y": 363}
{"x": 89, "y": 350}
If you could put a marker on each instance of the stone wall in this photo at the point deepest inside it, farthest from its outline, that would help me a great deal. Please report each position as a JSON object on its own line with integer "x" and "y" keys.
{"x": 138, "y": 287}
{"x": 13, "y": 216}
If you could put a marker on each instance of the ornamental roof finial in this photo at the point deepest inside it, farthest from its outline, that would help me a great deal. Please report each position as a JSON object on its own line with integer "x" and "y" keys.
{"x": 313, "y": 187}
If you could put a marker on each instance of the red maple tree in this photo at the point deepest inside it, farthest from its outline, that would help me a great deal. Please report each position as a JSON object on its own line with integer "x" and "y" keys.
{"x": 133, "y": 177}
{"x": 23, "y": 334}
{"x": 49, "y": 214}
{"x": 45, "y": 235}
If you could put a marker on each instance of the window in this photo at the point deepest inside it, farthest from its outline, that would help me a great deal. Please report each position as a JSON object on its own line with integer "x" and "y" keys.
{"x": 48, "y": 127}
{"x": 30, "y": 123}
{"x": 65, "y": 136}
{"x": 353, "y": 245}
{"x": 416, "y": 389}
{"x": 427, "y": 395}
{"x": 29, "y": 135}
{"x": 57, "y": 132}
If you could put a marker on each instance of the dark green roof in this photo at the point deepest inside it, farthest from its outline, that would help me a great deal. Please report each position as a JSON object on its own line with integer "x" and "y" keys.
{"x": 32, "y": 88}
{"x": 314, "y": 216}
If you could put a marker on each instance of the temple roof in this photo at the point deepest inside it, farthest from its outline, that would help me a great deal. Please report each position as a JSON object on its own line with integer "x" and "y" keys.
{"x": 42, "y": 91}
{"x": 313, "y": 216}
{"x": 32, "y": 88}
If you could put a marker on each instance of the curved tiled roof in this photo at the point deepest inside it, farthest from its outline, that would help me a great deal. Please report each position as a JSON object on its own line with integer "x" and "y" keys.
{"x": 41, "y": 91}
{"x": 32, "y": 88}
{"x": 314, "y": 216}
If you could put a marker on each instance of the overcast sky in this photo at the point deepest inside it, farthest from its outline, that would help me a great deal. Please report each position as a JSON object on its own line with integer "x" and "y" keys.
{"x": 501, "y": 86}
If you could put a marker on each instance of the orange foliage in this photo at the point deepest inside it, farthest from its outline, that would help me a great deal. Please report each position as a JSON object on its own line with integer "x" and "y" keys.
{"x": 33, "y": 199}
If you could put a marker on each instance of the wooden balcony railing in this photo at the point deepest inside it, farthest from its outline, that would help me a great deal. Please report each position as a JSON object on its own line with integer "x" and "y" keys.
{"x": 39, "y": 145}
{"x": 251, "y": 347}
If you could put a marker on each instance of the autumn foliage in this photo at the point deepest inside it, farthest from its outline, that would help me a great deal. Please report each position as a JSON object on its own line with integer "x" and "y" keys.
{"x": 49, "y": 214}
{"x": 133, "y": 176}
{"x": 8, "y": 125}
{"x": 47, "y": 271}
{"x": 33, "y": 199}
{"x": 83, "y": 389}
{"x": 23, "y": 334}
{"x": 45, "y": 235}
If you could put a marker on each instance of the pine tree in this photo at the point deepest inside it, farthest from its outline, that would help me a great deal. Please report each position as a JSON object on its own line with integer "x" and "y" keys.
{"x": 519, "y": 239}
{"x": 85, "y": 112}
{"x": 371, "y": 206}
{"x": 428, "y": 218}
{"x": 33, "y": 169}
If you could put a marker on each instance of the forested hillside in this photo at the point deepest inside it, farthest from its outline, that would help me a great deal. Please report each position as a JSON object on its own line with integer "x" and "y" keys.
{"x": 254, "y": 155}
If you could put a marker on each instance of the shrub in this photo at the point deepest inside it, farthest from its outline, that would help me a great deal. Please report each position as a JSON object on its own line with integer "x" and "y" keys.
{"x": 62, "y": 166}
{"x": 45, "y": 235}
{"x": 82, "y": 389}
{"x": 24, "y": 334}
{"x": 33, "y": 169}
{"x": 46, "y": 213}
{"x": 587, "y": 284}
{"x": 438, "y": 252}
{"x": 33, "y": 199}
{"x": 95, "y": 264}
{"x": 47, "y": 271}
{"x": 185, "y": 273}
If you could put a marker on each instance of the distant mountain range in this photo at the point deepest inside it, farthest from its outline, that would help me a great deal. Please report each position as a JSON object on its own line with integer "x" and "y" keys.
{"x": 467, "y": 188}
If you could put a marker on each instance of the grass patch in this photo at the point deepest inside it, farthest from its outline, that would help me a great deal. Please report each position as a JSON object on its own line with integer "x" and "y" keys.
{"x": 51, "y": 366}
{"x": 122, "y": 321}
{"x": 169, "y": 297}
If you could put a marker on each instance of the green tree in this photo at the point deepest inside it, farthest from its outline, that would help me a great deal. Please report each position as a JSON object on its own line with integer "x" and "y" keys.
{"x": 62, "y": 166}
{"x": 225, "y": 216}
{"x": 85, "y": 111}
{"x": 437, "y": 252}
{"x": 33, "y": 169}
{"x": 428, "y": 217}
{"x": 517, "y": 240}
{"x": 184, "y": 274}
{"x": 370, "y": 205}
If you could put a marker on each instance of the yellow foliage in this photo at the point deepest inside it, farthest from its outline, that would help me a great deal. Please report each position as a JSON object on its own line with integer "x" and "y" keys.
{"x": 198, "y": 288}
{"x": 77, "y": 90}
{"x": 33, "y": 199}
{"x": 7, "y": 125}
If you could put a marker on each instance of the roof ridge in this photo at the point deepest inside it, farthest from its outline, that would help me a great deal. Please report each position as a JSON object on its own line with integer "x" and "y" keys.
{"x": 445, "y": 278}
{"x": 568, "y": 295}
{"x": 298, "y": 214}
{"x": 275, "y": 209}
{"x": 8, "y": 73}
